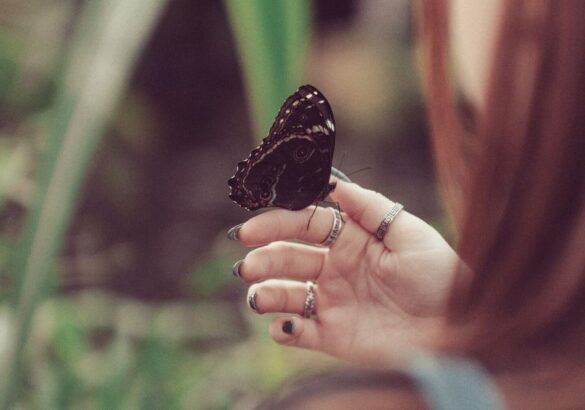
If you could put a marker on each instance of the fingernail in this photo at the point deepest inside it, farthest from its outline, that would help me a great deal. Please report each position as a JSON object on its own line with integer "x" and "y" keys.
{"x": 252, "y": 302}
{"x": 236, "y": 268}
{"x": 232, "y": 233}
{"x": 287, "y": 327}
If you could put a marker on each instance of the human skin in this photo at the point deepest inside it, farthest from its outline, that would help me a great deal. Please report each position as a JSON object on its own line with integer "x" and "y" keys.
{"x": 370, "y": 294}
{"x": 376, "y": 301}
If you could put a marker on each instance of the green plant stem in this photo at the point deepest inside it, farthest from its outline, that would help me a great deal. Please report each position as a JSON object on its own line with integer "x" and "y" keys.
{"x": 271, "y": 37}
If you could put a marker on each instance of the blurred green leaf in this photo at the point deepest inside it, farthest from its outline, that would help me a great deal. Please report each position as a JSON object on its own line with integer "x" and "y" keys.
{"x": 158, "y": 363}
{"x": 271, "y": 37}
{"x": 63, "y": 385}
{"x": 6, "y": 277}
{"x": 104, "y": 50}
{"x": 14, "y": 160}
{"x": 112, "y": 393}
{"x": 213, "y": 275}
{"x": 69, "y": 337}
{"x": 60, "y": 388}
{"x": 8, "y": 63}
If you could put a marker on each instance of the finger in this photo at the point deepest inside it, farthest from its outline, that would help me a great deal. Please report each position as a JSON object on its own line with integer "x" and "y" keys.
{"x": 282, "y": 224}
{"x": 368, "y": 208}
{"x": 296, "y": 331}
{"x": 276, "y": 295}
{"x": 283, "y": 260}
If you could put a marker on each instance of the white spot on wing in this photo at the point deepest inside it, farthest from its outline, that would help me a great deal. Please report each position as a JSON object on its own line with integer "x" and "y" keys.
{"x": 330, "y": 125}
{"x": 277, "y": 177}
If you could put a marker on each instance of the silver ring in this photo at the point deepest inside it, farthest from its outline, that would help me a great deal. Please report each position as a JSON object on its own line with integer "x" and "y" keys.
{"x": 387, "y": 220}
{"x": 335, "y": 228}
{"x": 252, "y": 300}
{"x": 309, "y": 308}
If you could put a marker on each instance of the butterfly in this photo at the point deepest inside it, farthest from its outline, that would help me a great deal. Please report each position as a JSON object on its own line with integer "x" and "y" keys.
{"x": 291, "y": 167}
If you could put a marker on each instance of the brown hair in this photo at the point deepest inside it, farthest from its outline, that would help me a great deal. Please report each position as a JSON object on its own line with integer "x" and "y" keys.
{"x": 518, "y": 194}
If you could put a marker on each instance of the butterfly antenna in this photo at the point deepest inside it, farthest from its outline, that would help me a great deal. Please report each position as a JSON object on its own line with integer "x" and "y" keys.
{"x": 311, "y": 217}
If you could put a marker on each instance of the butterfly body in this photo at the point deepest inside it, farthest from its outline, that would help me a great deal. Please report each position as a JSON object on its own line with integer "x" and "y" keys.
{"x": 292, "y": 166}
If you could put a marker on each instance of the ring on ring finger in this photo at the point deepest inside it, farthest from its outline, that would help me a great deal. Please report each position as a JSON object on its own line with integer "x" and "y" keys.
{"x": 309, "y": 307}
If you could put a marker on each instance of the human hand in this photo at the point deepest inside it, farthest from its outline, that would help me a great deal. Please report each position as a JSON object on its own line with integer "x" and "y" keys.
{"x": 375, "y": 300}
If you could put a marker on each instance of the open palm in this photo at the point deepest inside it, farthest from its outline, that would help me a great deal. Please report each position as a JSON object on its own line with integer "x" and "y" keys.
{"x": 374, "y": 299}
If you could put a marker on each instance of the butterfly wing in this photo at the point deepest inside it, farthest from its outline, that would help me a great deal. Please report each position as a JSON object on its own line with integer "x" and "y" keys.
{"x": 291, "y": 168}
{"x": 302, "y": 111}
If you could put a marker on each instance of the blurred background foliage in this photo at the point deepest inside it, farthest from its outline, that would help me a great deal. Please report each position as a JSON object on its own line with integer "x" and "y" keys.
{"x": 120, "y": 123}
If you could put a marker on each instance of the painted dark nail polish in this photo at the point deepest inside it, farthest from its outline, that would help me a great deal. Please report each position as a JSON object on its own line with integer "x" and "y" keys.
{"x": 232, "y": 233}
{"x": 287, "y": 327}
{"x": 236, "y": 269}
{"x": 252, "y": 302}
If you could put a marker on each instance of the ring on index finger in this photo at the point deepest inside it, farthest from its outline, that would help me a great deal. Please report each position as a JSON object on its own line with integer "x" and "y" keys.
{"x": 335, "y": 228}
